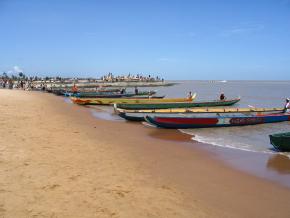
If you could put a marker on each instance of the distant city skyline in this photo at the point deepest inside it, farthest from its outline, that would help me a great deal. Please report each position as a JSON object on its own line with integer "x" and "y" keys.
{"x": 198, "y": 39}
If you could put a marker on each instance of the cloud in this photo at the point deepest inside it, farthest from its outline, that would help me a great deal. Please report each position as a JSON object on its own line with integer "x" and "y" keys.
{"x": 14, "y": 70}
{"x": 239, "y": 30}
{"x": 17, "y": 69}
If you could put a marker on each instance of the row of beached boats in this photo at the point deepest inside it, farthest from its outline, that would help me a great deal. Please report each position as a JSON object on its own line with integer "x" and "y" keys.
{"x": 110, "y": 93}
{"x": 179, "y": 113}
{"x": 182, "y": 113}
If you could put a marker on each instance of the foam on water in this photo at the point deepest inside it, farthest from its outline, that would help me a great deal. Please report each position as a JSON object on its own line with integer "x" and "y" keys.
{"x": 247, "y": 138}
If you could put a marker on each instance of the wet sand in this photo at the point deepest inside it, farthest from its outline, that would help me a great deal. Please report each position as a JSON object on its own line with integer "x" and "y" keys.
{"x": 57, "y": 160}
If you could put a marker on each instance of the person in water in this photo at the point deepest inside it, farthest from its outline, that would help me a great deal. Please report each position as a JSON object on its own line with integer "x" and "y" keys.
{"x": 287, "y": 106}
{"x": 136, "y": 90}
{"x": 222, "y": 97}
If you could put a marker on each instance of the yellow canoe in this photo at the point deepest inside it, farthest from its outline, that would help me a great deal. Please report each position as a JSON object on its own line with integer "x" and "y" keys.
{"x": 110, "y": 101}
{"x": 203, "y": 110}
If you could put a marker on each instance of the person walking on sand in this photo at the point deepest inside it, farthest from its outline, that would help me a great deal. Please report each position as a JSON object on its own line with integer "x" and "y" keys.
{"x": 287, "y": 106}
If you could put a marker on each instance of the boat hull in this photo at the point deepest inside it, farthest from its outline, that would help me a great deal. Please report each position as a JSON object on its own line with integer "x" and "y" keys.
{"x": 110, "y": 101}
{"x": 138, "y": 115}
{"x": 215, "y": 121}
{"x": 177, "y": 105}
{"x": 281, "y": 141}
{"x": 131, "y": 117}
{"x": 141, "y": 116}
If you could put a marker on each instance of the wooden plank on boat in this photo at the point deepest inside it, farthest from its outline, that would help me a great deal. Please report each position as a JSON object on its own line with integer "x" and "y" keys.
{"x": 207, "y": 110}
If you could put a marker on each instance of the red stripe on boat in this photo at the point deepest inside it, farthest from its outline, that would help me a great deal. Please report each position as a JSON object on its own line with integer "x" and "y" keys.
{"x": 79, "y": 101}
{"x": 196, "y": 121}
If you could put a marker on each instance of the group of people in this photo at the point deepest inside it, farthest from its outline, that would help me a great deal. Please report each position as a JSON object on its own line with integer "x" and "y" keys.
{"x": 12, "y": 84}
{"x": 7, "y": 83}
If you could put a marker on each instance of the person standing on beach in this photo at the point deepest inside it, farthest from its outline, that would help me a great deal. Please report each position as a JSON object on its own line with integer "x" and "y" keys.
{"x": 10, "y": 84}
{"x": 287, "y": 106}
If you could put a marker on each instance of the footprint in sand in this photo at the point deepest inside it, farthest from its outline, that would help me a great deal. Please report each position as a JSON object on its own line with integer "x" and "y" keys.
{"x": 165, "y": 187}
{"x": 73, "y": 178}
{"x": 106, "y": 212}
{"x": 119, "y": 192}
{"x": 2, "y": 210}
{"x": 50, "y": 187}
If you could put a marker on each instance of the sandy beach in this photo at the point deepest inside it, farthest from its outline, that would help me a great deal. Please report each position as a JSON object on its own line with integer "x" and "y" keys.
{"x": 57, "y": 160}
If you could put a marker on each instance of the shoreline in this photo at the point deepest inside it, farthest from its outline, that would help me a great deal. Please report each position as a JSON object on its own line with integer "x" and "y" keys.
{"x": 268, "y": 165}
{"x": 60, "y": 161}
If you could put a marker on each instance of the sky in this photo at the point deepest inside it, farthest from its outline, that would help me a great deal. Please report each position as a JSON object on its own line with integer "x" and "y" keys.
{"x": 174, "y": 39}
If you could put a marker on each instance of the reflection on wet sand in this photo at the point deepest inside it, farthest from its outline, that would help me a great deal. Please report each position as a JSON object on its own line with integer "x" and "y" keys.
{"x": 279, "y": 163}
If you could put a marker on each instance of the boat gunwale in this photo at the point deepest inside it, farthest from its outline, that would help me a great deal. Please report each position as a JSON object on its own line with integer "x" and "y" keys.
{"x": 200, "y": 110}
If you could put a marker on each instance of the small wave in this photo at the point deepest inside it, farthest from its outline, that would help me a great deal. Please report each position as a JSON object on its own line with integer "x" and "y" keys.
{"x": 148, "y": 124}
{"x": 221, "y": 142}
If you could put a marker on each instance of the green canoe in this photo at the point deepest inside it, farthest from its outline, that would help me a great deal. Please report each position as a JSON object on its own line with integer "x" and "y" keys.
{"x": 281, "y": 141}
{"x": 168, "y": 105}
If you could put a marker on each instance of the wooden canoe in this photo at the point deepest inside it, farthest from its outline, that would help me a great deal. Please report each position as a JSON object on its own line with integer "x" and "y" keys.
{"x": 138, "y": 115}
{"x": 215, "y": 121}
{"x": 110, "y": 101}
{"x": 108, "y": 90}
{"x": 167, "y": 105}
{"x": 281, "y": 141}
{"x": 205, "y": 110}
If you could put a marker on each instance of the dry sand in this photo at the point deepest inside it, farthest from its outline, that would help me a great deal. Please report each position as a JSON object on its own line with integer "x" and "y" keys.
{"x": 56, "y": 160}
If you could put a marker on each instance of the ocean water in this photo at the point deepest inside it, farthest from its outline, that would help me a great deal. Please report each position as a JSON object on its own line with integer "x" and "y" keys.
{"x": 253, "y": 138}
{"x": 246, "y": 148}
{"x": 255, "y": 93}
